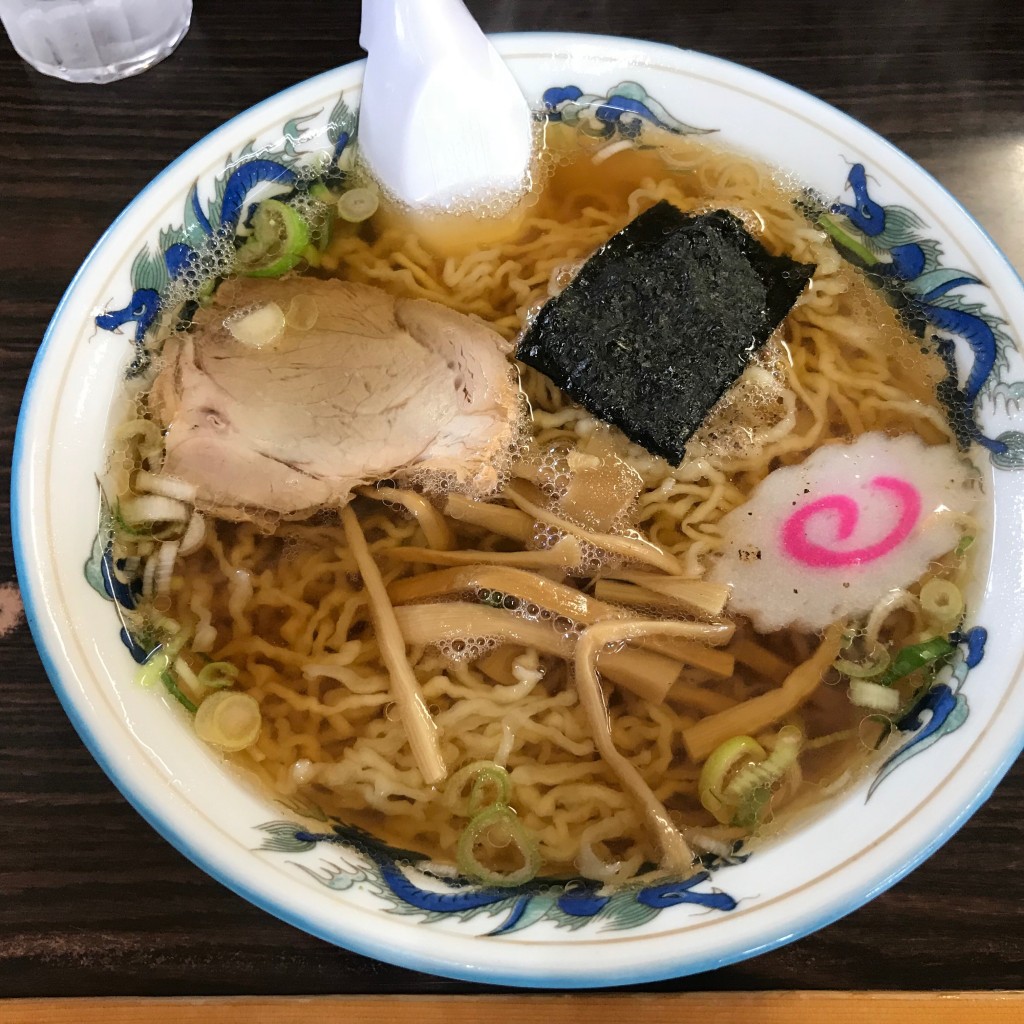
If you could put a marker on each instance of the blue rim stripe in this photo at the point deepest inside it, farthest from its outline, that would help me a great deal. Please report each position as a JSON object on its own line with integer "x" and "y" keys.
{"x": 604, "y": 974}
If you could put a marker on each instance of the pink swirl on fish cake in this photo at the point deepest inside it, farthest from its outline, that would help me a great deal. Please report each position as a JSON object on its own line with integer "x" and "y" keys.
{"x": 801, "y": 548}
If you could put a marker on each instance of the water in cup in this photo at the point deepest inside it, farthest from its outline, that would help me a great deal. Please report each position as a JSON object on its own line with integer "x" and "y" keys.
{"x": 95, "y": 40}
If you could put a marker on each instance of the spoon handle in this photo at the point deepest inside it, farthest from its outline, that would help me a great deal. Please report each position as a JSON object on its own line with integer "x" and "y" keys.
{"x": 442, "y": 120}
{"x": 424, "y": 27}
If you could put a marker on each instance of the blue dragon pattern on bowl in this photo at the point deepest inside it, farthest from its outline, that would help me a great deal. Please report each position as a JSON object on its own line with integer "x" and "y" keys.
{"x": 888, "y": 243}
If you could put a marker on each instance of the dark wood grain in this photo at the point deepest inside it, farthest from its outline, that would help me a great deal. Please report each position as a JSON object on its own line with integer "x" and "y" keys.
{"x": 92, "y": 901}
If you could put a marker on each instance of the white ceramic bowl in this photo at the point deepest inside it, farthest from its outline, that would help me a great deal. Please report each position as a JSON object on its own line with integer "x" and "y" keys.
{"x": 359, "y": 898}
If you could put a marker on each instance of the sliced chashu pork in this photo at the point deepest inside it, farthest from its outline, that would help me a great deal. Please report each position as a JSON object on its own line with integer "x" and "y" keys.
{"x": 377, "y": 388}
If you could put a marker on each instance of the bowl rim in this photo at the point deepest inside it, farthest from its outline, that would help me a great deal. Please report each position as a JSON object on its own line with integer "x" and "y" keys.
{"x": 601, "y": 974}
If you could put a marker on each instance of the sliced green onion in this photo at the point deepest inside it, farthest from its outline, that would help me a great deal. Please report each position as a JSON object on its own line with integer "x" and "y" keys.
{"x": 491, "y": 787}
{"x": 279, "y": 236}
{"x": 484, "y": 775}
{"x": 175, "y": 692}
{"x": 357, "y": 205}
{"x": 229, "y": 720}
{"x": 965, "y": 542}
{"x": 184, "y": 672}
{"x": 155, "y": 666}
{"x": 322, "y": 218}
{"x": 165, "y": 557}
{"x": 749, "y": 793}
{"x": 217, "y": 674}
{"x": 942, "y": 602}
{"x": 323, "y": 194}
{"x": 912, "y": 658}
{"x": 165, "y": 638}
{"x": 194, "y": 534}
{"x": 176, "y": 637}
{"x": 764, "y": 774}
{"x": 167, "y": 486}
{"x": 831, "y": 227}
{"x": 476, "y": 832}
{"x": 724, "y": 759}
{"x": 147, "y": 509}
{"x": 874, "y": 663}
{"x": 751, "y": 807}
{"x": 874, "y": 696}
{"x": 119, "y": 525}
{"x": 206, "y": 290}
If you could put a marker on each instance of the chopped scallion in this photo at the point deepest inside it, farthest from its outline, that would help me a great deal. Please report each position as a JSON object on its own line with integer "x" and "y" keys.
{"x": 279, "y": 236}
{"x": 358, "y": 204}
{"x": 764, "y": 774}
{"x": 724, "y": 760}
{"x": 155, "y": 666}
{"x": 917, "y": 656}
{"x": 866, "y": 694}
{"x": 491, "y": 787}
{"x": 174, "y": 690}
{"x": 121, "y": 525}
{"x": 479, "y": 830}
{"x": 943, "y": 603}
{"x": 229, "y": 720}
{"x": 323, "y": 194}
{"x": 217, "y": 674}
{"x": 873, "y": 663}
{"x": 489, "y": 784}
{"x": 752, "y": 806}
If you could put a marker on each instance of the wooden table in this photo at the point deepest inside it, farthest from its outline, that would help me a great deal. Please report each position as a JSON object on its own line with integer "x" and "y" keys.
{"x": 92, "y": 901}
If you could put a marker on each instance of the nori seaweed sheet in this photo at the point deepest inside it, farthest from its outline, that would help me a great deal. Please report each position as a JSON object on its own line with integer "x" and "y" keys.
{"x": 661, "y": 320}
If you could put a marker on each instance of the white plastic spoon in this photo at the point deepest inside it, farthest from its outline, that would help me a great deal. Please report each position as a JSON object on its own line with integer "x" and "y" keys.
{"x": 442, "y": 122}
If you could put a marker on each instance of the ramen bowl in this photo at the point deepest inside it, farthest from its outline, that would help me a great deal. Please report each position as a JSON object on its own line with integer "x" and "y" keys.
{"x": 331, "y": 881}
